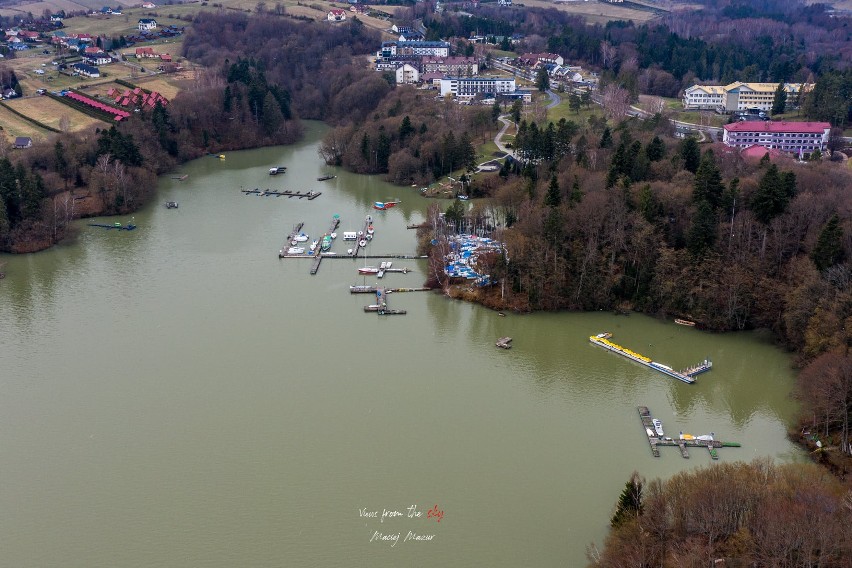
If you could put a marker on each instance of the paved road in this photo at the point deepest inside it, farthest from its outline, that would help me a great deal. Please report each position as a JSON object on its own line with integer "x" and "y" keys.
{"x": 554, "y": 99}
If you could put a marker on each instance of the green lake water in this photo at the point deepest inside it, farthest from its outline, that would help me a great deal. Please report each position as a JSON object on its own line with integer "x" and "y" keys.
{"x": 178, "y": 396}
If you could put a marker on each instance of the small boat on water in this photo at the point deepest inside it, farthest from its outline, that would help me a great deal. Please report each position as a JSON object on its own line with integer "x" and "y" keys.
{"x": 384, "y": 205}
{"x": 334, "y": 236}
{"x": 296, "y": 250}
{"x": 369, "y": 236}
{"x": 686, "y": 436}
{"x": 171, "y": 204}
{"x": 314, "y": 245}
{"x": 325, "y": 244}
{"x": 277, "y": 170}
{"x": 302, "y": 237}
{"x": 362, "y": 243}
{"x": 325, "y": 178}
{"x": 685, "y": 322}
{"x": 370, "y": 230}
{"x": 650, "y": 432}
{"x": 368, "y": 270}
{"x": 658, "y": 427}
{"x": 706, "y": 437}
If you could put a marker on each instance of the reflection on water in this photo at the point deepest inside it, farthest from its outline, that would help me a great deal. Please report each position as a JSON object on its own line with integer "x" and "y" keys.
{"x": 179, "y": 394}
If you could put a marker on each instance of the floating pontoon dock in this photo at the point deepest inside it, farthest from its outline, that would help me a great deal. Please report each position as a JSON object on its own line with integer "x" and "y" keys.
{"x": 286, "y": 193}
{"x": 682, "y": 442}
{"x": 687, "y": 375}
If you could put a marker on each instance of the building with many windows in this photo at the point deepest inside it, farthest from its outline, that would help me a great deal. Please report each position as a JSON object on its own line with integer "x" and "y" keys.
{"x": 739, "y": 96}
{"x": 797, "y": 138}
{"x": 433, "y": 48}
{"x": 472, "y": 86}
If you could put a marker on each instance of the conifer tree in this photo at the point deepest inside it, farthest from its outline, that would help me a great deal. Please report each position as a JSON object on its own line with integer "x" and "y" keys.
{"x": 829, "y": 246}
{"x": 779, "y": 101}
{"x": 690, "y": 154}
{"x": 702, "y": 233}
{"x": 553, "y": 197}
{"x": 771, "y": 197}
{"x": 708, "y": 181}
{"x": 629, "y": 504}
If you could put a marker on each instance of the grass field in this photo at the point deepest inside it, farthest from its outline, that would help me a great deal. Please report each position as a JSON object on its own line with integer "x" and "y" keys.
{"x": 594, "y": 11}
{"x": 50, "y": 112}
{"x": 562, "y": 110}
{"x": 14, "y": 126}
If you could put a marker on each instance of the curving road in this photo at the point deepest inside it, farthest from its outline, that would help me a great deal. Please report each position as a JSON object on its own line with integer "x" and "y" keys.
{"x": 554, "y": 99}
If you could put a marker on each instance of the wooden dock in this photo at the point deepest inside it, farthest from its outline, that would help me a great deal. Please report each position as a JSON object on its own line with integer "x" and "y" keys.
{"x": 682, "y": 444}
{"x": 311, "y": 195}
{"x": 372, "y": 290}
{"x": 381, "y": 305}
{"x": 318, "y": 253}
{"x": 282, "y": 253}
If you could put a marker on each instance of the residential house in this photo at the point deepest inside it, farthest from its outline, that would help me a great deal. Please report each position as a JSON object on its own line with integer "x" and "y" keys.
{"x": 797, "y": 138}
{"x": 739, "y": 96}
{"x": 407, "y": 74}
{"x": 452, "y": 66}
{"x": 360, "y": 8}
{"x": 56, "y": 18}
{"x": 146, "y": 24}
{"x": 145, "y": 52}
{"x": 98, "y": 59}
{"x": 400, "y": 29}
{"x": 28, "y": 35}
{"x": 533, "y": 59}
{"x": 92, "y": 50}
{"x": 86, "y": 70}
{"x": 23, "y": 142}
{"x": 165, "y": 57}
{"x": 471, "y": 86}
{"x": 336, "y": 15}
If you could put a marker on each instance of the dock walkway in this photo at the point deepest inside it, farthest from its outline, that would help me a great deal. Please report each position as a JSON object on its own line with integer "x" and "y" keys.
{"x": 682, "y": 442}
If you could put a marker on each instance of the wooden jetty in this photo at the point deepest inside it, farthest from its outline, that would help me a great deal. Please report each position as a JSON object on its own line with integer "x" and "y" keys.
{"x": 119, "y": 226}
{"x": 681, "y": 442}
{"x": 181, "y": 178}
{"x": 504, "y": 343}
{"x": 318, "y": 253}
{"x": 417, "y": 226}
{"x": 381, "y": 305}
{"x": 372, "y": 290}
{"x": 326, "y": 177}
{"x": 296, "y": 230}
{"x": 311, "y": 195}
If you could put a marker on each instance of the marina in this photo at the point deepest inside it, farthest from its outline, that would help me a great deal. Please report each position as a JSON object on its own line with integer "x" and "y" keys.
{"x": 381, "y": 305}
{"x": 686, "y": 375}
{"x": 656, "y": 438}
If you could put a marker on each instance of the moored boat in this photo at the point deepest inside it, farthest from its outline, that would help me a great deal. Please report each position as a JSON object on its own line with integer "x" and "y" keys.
{"x": 362, "y": 243}
{"x": 277, "y": 170}
{"x": 684, "y": 322}
{"x": 326, "y": 177}
{"x": 296, "y": 250}
{"x": 658, "y": 427}
{"x": 171, "y": 204}
{"x": 325, "y": 244}
{"x": 368, "y": 270}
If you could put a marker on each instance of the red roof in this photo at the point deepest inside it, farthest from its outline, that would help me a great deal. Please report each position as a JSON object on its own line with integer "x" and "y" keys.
{"x": 337, "y": 12}
{"x": 757, "y": 152}
{"x": 770, "y": 126}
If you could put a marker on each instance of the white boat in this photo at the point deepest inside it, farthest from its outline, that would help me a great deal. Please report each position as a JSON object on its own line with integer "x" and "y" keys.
{"x": 301, "y": 238}
{"x": 314, "y": 245}
{"x": 370, "y": 230}
{"x": 362, "y": 243}
{"x": 368, "y": 270}
{"x": 334, "y": 235}
{"x": 349, "y": 252}
{"x": 658, "y": 426}
{"x": 650, "y": 432}
{"x": 296, "y": 250}
{"x": 369, "y": 237}
{"x": 705, "y": 437}
{"x": 390, "y": 262}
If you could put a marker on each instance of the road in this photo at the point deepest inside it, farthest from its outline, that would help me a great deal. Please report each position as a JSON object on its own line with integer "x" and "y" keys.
{"x": 554, "y": 99}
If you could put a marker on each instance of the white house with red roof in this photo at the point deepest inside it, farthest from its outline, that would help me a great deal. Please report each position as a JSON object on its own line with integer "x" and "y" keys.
{"x": 336, "y": 15}
{"x": 791, "y": 137}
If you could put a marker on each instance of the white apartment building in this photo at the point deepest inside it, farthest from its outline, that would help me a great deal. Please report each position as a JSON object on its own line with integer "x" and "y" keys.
{"x": 407, "y": 74}
{"x": 471, "y": 86}
{"x": 792, "y": 137}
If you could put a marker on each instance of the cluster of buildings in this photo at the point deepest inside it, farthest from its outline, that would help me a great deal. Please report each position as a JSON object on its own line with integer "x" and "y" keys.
{"x": 414, "y": 60}
{"x": 136, "y": 98}
{"x": 739, "y": 96}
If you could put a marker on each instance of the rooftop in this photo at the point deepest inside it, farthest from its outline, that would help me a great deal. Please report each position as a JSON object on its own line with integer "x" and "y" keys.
{"x": 770, "y": 126}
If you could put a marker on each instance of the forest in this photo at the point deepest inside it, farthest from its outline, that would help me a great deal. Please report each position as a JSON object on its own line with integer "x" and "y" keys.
{"x": 735, "y": 515}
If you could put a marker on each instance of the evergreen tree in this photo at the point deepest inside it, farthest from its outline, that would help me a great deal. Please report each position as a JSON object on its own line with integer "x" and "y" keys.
{"x": 708, "y": 181}
{"x": 542, "y": 79}
{"x": 496, "y": 110}
{"x": 227, "y": 101}
{"x": 702, "y": 233}
{"x": 574, "y": 102}
{"x": 829, "y": 246}
{"x": 656, "y": 149}
{"x": 649, "y": 206}
{"x": 771, "y": 198}
{"x": 553, "y": 197}
{"x": 32, "y": 193}
{"x": 272, "y": 116}
{"x": 630, "y": 503}
{"x": 690, "y": 154}
{"x": 576, "y": 195}
{"x": 515, "y": 111}
{"x": 5, "y": 226}
{"x": 779, "y": 101}
{"x": 9, "y": 193}
{"x": 405, "y": 128}
{"x": 788, "y": 181}
{"x": 606, "y": 138}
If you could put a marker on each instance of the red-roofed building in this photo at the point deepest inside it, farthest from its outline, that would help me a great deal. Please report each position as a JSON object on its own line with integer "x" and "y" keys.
{"x": 758, "y": 152}
{"x": 792, "y": 137}
{"x": 145, "y": 52}
{"x": 336, "y": 15}
{"x": 93, "y": 50}
{"x": 165, "y": 57}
